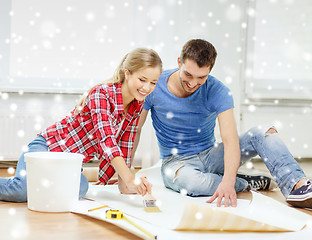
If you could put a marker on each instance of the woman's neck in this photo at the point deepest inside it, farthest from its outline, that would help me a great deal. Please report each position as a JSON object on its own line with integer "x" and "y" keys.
{"x": 126, "y": 97}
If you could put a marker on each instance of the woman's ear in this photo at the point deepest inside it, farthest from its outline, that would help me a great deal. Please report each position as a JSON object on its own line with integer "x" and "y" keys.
{"x": 127, "y": 73}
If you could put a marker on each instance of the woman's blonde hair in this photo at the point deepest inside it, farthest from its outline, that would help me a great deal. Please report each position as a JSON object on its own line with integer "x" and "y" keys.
{"x": 135, "y": 60}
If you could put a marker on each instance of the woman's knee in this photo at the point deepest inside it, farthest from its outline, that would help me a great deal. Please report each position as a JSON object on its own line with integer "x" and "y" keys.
{"x": 84, "y": 186}
{"x": 16, "y": 191}
{"x": 20, "y": 196}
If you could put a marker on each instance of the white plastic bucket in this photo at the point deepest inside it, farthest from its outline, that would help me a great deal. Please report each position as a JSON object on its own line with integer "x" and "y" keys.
{"x": 53, "y": 180}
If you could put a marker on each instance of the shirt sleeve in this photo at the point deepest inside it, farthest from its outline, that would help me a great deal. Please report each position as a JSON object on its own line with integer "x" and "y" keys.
{"x": 147, "y": 102}
{"x": 222, "y": 98}
{"x": 102, "y": 118}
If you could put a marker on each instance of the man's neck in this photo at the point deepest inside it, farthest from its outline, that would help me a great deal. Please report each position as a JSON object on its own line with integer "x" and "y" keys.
{"x": 174, "y": 85}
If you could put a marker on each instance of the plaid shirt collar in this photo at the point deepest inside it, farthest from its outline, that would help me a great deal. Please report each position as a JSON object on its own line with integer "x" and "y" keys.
{"x": 120, "y": 108}
{"x": 119, "y": 100}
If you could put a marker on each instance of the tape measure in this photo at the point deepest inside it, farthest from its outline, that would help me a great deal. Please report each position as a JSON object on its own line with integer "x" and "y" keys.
{"x": 114, "y": 214}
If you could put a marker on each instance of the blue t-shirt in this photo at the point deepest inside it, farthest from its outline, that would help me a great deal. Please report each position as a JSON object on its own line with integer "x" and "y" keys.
{"x": 186, "y": 125}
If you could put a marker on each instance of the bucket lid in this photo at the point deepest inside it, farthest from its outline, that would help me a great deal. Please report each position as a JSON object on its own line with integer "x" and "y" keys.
{"x": 53, "y": 155}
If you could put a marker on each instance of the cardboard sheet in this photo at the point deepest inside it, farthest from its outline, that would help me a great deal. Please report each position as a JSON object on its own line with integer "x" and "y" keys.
{"x": 184, "y": 216}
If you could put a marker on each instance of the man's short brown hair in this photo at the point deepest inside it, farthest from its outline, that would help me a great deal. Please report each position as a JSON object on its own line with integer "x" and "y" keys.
{"x": 200, "y": 51}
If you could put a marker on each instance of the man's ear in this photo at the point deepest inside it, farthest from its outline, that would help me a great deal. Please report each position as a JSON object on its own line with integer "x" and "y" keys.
{"x": 179, "y": 62}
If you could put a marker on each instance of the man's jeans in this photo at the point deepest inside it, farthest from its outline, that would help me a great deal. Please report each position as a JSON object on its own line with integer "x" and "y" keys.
{"x": 15, "y": 189}
{"x": 200, "y": 174}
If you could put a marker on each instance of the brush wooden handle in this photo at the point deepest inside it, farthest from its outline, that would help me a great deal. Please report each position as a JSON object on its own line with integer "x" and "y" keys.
{"x": 149, "y": 197}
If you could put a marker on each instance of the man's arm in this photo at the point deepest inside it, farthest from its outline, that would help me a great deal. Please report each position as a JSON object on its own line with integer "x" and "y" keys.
{"x": 230, "y": 141}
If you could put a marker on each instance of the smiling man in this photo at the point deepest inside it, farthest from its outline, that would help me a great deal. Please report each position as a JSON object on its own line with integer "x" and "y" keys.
{"x": 184, "y": 106}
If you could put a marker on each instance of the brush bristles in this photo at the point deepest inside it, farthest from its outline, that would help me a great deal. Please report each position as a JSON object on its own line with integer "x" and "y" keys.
{"x": 152, "y": 209}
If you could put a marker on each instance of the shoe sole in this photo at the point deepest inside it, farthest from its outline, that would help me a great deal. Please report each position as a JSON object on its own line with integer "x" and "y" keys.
{"x": 307, "y": 203}
{"x": 256, "y": 173}
{"x": 272, "y": 185}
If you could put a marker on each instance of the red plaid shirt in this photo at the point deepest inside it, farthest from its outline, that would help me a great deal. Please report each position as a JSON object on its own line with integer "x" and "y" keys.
{"x": 93, "y": 131}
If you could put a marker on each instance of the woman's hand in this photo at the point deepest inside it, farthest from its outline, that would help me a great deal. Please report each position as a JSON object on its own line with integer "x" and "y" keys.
{"x": 128, "y": 183}
{"x": 134, "y": 186}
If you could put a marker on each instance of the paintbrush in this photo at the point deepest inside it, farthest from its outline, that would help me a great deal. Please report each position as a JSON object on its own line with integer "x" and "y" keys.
{"x": 150, "y": 203}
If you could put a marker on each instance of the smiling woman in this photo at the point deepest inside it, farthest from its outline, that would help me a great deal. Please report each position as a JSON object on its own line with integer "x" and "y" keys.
{"x": 103, "y": 125}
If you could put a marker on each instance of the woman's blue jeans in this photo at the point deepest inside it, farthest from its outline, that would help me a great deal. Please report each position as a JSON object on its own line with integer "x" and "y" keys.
{"x": 15, "y": 189}
{"x": 200, "y": 174}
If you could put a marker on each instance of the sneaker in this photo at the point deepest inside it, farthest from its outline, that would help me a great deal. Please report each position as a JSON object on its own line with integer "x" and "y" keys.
{"x": 258, "y": 182}
{"x": 301, "y": 197}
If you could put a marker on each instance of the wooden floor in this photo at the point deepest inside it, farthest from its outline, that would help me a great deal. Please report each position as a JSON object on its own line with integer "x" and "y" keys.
{"x": 17, "y": 222}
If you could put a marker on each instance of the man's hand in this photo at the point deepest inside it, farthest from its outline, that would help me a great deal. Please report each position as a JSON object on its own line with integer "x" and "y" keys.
{"x": 227, "y": 192}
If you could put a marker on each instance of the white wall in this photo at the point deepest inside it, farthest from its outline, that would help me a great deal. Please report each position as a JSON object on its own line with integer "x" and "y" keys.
{"x": 164, "y": 25}
{"x": 22, "y": 116}
{"x": 277, "y": 83}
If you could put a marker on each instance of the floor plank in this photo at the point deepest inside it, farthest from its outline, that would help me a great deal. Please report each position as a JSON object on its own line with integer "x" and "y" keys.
{"x": 17, "y": 222}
